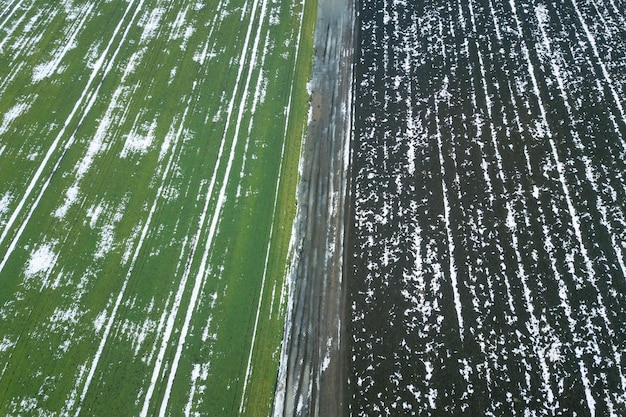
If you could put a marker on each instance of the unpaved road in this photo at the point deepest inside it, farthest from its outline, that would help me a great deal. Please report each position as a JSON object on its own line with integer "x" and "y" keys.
{"x": 313, "y": 377}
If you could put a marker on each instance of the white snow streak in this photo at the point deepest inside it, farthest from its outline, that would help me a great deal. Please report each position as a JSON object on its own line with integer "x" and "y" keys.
{"x": 446, "y": 206}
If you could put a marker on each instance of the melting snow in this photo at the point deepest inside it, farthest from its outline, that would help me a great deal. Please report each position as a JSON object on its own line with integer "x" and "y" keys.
{"x": 71, "y": 196}
{"x": 93, "y": 213}
{"x": 41, "y": 260}
{"x": 151, "y": 24}
{"x": 99, "y": 321}
{"x": 6, "y": 344}
{"x": 47, "y": 69}
{"x": 66, "y": 315}
{"x": 139, "y": 143}
{"x": 107, "y": 238}
{"x": 4, "y": 203}
{"x": 11, "y": 114}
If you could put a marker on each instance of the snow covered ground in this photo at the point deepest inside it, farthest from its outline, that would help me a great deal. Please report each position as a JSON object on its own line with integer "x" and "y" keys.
{"x": 486, "y": 265}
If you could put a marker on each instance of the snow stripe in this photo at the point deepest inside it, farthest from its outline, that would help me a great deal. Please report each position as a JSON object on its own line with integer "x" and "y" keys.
{"x": 511, "y": 223}
{"x": 561, "y": 173}
{"x": 12, "y": 9}
{"x": 589, "y": 170}
{"x": 446, "y": 213}
{"x": 173, "y": 313}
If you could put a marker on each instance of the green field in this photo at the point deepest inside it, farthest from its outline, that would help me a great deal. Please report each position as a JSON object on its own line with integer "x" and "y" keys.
{"x": 148, "y": 166}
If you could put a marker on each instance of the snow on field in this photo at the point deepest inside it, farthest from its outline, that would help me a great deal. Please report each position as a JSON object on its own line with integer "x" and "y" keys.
{"x": 66, "y": 316}
{"x": 487, "y": 258}
{"x": 89, "y": 242}
{"x": 6, "y": 344}
{"x": 140, "y": 140}
{"x": 203, "y": 271}
{"x": 150, "y": 23}
{"x": 93, "y": 54}
{"x": 4, "y": 203}
{"x": 41, "y": 260}
{"x": 51, "y": 67}
{"x": 12, "y": 114}
{"x": 106, "y": 241}
{"x": 138, "y": 332}
{"x": 47, "y": 69}
{"x": 199, "y": 374}
{"x": 82, "y": 106}
{"x": 71, "y": 195}
{"x": 98, "y": 323}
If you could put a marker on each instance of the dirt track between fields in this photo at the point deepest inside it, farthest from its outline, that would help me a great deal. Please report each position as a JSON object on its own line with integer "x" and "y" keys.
{"x": 315, "y": 378}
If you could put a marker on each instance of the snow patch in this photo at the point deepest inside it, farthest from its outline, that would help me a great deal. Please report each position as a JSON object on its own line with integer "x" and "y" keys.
{"x": 12, "y": 114}
{"x": 139, "y": 143}
{"x": 107, "y": 238}
{"x": 71, "y": 195}
{"x": 151, "y": 24}
{"x": 5, "y": 200}
{"x": 47, "y": 69}
{"x": 6, "y": 344}
{"x": 93, "y": 213}
{"x": 67, "y": 315}
{"x": 40, "y": 261}
{"x": 99, "y": 321}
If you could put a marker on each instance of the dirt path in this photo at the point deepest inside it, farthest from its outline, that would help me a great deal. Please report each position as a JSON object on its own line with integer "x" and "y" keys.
{"x": 312, "y": 379}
